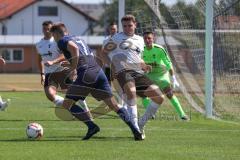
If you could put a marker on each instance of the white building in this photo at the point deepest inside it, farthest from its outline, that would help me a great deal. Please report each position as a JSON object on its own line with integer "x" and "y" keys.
{"x": 25, "y": 17}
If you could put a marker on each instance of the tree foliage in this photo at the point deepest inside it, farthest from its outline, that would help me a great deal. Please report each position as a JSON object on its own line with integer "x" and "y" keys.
{"x": 193, "y": 14}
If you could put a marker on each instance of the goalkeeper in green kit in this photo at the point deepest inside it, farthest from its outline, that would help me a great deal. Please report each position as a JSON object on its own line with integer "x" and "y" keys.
{"x": 161, "y": 74}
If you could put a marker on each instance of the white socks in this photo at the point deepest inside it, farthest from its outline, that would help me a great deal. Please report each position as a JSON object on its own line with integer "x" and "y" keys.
{"x": 3, "y": 104}
{"x": 132, "y": 110}
{"x": 122, "y": 101}
{"x": 83, "y": 105}
{"x": 1, "y": 101}
{"x": 58, "y": 101}
{"x": 150, "y": 111}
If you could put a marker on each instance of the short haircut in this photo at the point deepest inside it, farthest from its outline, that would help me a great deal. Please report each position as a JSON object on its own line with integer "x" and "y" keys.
{"x": 148, "y": 32}
{"x": 128, "y": 17}
{"x": 112, "y": 23}
{"x": 46, "y": 23}
{"x": 59, "y": 28}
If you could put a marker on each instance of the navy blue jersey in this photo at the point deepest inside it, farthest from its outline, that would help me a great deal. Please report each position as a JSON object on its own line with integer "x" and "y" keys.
{"x": 90, "y": 77}
{"x": 86, "y": 57}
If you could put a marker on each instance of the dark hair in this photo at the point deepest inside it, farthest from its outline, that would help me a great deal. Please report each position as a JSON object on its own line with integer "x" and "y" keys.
{"x": 112, "y": 23}
{"x": 59, "y": 27}
{"x": 46, "y": 23}
{"x": 148, "y": 32}
{"x": 128, "y": 17}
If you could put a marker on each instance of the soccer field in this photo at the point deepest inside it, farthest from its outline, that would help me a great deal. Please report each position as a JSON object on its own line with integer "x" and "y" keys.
{"x": 168, "y": 139}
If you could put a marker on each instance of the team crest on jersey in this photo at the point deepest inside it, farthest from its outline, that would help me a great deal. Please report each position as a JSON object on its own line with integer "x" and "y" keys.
{"x": 129, "y": 45}
{"x": 110, "y": 46}
{"x": 125, "y": 45}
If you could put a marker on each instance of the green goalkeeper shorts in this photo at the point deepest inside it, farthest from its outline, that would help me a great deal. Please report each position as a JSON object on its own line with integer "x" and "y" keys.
{"x": 162, "y": 81}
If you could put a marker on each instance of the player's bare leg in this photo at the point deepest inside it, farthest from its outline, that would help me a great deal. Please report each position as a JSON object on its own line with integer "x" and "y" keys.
{"x": 176, "y": 104}
{"x": 121, "y": 96}
{"x": 51, "y": 93}
{"x": 157, "y": 98}
{"x": 130, "y": 91}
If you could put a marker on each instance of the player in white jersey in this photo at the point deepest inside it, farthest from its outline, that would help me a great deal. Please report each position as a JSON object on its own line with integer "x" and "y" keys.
{"x": 3, "y": 104}
{"x": 112, "y": 29}
{"x": 53, "y": 74}
{"x": 124, "y": 51}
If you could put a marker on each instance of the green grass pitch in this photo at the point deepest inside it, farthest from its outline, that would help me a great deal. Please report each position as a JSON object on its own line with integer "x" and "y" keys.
{"x": 166, "y": 139}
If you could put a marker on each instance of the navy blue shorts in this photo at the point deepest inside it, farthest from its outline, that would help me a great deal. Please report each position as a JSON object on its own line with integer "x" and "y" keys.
{"x": 89, "y": 81}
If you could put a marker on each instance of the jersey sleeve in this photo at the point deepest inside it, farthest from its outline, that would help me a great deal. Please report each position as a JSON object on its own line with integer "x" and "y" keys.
{"x": 165, "y": 58}
{"x": 37, "y": 47}
{"x": 62, "y": 44}
{"x": 106, "y": 40}
{"x": 141, "y": 47}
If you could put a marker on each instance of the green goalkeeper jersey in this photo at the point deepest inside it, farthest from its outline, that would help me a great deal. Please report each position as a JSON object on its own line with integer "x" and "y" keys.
{"x": 158, "y": 58}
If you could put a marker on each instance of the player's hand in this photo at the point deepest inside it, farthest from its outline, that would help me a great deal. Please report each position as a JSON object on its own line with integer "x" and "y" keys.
{"x": 2, "y": 61}
{"x": 65, "y": 64}
{"x": 42, "y": 79}
{"x": 175, "y": 82}
{"x": 73, "y": 75}
{"x": 146, "y": 68}
{"x": 48, "y": 63}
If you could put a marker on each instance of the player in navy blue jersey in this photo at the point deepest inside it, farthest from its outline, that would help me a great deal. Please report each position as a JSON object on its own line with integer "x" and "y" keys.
{"x": 90, "y": 80}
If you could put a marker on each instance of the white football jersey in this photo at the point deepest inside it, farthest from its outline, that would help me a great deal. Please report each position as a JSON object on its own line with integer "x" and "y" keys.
{"x": 105, "y": 41}
{"x": 49, "y": 51}
{"x": 125, "y": 52}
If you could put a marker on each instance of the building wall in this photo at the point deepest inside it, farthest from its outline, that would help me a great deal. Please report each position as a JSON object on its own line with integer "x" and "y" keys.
{"x": 29, "y": 61}
{"x": 27, "y": 21}
{"x": 29, "y": 64}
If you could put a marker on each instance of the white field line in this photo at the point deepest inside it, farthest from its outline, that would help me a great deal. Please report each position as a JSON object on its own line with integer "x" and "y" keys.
{"x": 225, "y": 121}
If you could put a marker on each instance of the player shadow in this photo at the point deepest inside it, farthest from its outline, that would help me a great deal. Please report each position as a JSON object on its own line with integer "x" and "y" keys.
{"x": 67, "y": 139}
{"x": 117, "y": 138}
{"x": 95, "y": 138}
{"x": 39, "y": 141}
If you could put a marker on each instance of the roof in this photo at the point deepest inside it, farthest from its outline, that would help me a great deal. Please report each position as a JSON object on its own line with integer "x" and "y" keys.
{"x": 10, "y": 7}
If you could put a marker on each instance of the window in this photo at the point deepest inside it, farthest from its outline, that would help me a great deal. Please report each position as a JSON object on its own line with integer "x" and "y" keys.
{"x": 6, "y": 54}
{"x": 4, "y": 29}
{"x": 47, "y": 11}
{"x": 17, "y": 55}
{"x": 12, "y": 55}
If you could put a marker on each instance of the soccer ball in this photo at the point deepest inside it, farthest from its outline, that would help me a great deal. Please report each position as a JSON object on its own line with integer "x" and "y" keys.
{"x": 34, "y": 131}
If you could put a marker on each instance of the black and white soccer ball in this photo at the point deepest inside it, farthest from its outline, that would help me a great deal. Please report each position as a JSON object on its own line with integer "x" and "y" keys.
{"x": 34, "y": 131}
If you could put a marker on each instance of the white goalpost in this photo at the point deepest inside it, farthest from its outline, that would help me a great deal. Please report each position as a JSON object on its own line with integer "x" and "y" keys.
{"x": 209, "y": 59}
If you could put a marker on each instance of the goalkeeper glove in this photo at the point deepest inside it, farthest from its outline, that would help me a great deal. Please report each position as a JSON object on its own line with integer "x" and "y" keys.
{"x": 175, "y": 82}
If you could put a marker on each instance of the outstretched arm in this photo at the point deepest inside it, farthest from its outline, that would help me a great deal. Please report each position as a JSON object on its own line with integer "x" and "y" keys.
{"x": 57, "y": 60}
{"x": 41, "y": 69}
